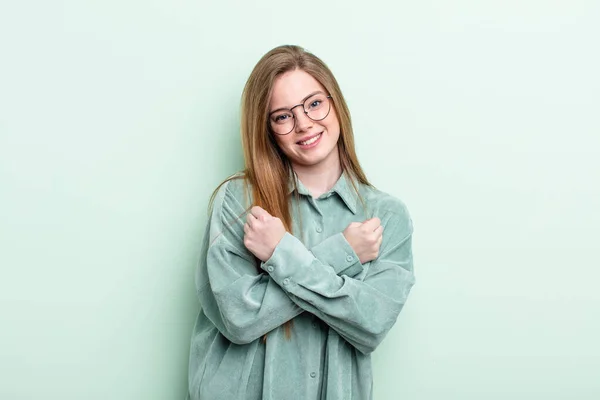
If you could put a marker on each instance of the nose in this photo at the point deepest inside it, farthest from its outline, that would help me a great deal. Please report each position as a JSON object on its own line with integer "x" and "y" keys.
{"x": 303, "y": 123}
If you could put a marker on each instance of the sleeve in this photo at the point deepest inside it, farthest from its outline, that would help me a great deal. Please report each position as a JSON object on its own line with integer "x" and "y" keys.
{"x": 337, "y": 252}
{"x": 241, "y": 301}
{"x": 361, "y": 311}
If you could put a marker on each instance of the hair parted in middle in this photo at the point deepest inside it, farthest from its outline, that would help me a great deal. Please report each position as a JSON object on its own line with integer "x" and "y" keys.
{"x": 267, "y": 170}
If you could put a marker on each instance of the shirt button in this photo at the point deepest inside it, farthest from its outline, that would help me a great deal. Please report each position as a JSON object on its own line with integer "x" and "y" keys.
{"x": 319, "y": 229}
{"x": 313, "y": 374}
{"x": 270, "y": 268}
{"x": 349, "y": 258}
{"x": 286, "y": 281}
{"x": 314, "y": 325}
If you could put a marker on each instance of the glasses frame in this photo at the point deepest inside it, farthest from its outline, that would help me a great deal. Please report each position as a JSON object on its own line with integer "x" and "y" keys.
{"x": 294, "y": 116}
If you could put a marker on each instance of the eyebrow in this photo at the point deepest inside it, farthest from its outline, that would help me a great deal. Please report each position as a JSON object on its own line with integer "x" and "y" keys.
{"x": 302, "y": 102}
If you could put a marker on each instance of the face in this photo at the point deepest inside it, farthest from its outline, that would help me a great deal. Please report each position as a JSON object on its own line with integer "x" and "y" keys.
{"x": 310, "y": 144}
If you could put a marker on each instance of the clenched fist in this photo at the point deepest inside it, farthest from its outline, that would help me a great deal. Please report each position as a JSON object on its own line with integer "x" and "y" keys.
{"x": 365, "y": 238}
{"x": 262, "y": 233}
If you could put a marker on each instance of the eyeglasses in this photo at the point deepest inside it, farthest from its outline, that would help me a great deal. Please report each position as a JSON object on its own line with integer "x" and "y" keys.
{"x": 315, "y": 107}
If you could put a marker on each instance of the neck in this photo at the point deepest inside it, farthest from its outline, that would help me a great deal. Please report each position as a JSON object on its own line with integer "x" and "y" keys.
{"x": 320, "y": 178}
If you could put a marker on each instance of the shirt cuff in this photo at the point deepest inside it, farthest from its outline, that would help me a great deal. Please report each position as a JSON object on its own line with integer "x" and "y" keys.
{"x": 337, "y": 252}
{"x": 290, "y": 257}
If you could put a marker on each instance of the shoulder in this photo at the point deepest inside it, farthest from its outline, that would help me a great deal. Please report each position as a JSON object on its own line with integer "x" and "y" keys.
{"x": 391, "y": 210}
{"x": 233, "y": 191}
{"x": 382, "y": 202}
{"x": 228, "y": 208}
{"x": 231, "y": 199}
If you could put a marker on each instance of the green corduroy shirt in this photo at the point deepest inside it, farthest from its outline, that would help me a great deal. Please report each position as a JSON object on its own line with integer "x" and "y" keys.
{"x": 340, "y": 309}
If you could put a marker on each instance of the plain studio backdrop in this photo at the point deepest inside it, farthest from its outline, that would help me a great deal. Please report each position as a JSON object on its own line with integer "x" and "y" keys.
{"x": 119, "y": 118}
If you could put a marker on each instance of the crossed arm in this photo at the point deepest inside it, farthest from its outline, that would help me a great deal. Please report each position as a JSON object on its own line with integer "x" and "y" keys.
{"x": 327, "y": 280}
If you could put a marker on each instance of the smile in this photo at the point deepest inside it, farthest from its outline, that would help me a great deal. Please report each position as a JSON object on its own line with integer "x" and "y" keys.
{"x": 310, "y": 141}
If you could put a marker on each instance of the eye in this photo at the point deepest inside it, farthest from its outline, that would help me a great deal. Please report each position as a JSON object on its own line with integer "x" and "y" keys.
{"x": 315, "y": 102}
{"x": 281, "y": 118}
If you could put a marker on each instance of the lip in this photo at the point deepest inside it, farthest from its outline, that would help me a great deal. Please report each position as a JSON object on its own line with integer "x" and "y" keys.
{"x": 304, "y": 139}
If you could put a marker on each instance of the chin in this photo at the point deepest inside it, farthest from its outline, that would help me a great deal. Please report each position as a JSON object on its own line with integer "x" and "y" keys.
{"x": 314, "y": 160}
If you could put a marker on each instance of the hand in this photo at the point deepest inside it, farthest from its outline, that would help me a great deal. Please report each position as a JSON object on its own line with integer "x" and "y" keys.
{"x": 365, "y": 238}
{"x": 262, "y": 233}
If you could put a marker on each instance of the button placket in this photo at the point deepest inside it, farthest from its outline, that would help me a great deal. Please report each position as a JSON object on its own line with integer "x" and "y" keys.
{"x": 319, "y": 223}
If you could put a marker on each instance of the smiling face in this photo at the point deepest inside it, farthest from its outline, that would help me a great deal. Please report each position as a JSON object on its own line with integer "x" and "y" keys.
{"x": 310, "y": 144}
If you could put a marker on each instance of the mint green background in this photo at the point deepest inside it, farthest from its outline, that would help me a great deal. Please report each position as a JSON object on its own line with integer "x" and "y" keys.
{"x": 118, "y": 118}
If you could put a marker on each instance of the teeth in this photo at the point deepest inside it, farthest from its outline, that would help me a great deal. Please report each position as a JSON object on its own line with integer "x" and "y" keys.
{"x": 311, "y": 141}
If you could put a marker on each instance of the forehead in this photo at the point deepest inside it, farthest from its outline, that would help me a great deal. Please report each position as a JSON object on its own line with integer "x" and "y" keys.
{"x": 291, "y": 87}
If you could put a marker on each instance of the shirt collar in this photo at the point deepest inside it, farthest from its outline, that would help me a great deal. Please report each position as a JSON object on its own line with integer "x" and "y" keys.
{"x": 343, "y": 187}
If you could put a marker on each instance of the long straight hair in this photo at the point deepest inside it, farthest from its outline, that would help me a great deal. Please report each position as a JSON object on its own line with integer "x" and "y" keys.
{"x": 267, "y": 170}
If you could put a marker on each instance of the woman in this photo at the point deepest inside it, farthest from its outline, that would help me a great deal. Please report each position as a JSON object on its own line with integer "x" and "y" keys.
{"x": 297, "y": 281}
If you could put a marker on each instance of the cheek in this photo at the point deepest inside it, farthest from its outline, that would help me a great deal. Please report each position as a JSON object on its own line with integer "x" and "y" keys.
{"x": 284, "y": 142}
{"x": 332, "y": 121}
{"x": 333, "y": 126}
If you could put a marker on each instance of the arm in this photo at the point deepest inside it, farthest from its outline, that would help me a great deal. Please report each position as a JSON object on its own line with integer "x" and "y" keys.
{"x": 243, "y": 303}
{"x": 361, "y": 311}
{"x": 337, "y": 252}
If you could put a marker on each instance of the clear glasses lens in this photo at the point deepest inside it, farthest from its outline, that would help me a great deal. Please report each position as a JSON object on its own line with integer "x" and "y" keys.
{"x": 316, "y": 108}
{"x": 282, "y": 122}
